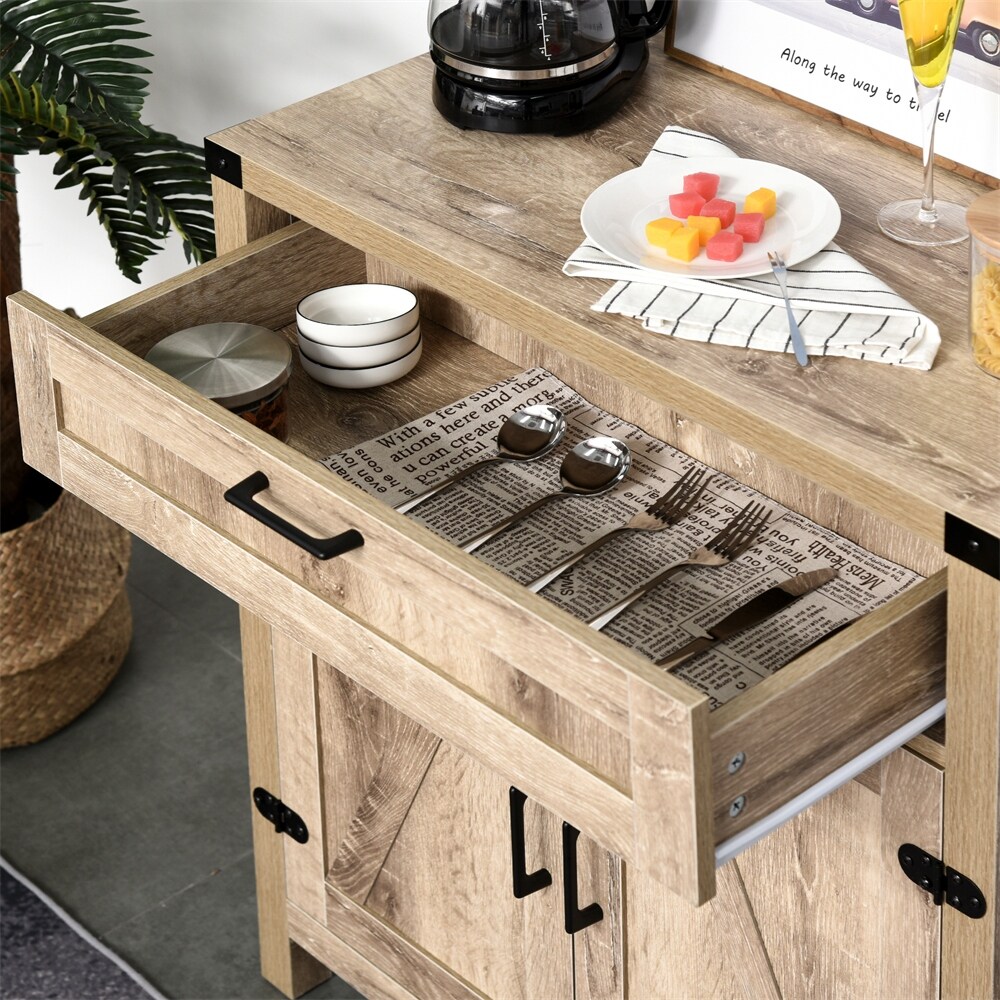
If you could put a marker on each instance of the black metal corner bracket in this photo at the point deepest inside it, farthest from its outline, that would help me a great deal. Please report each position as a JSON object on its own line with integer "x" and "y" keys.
{"x": 972, "y": 545}
{"x": 222, "y": 164}
{"x": 945, "y": 884}
{"x": 284, "y": 819}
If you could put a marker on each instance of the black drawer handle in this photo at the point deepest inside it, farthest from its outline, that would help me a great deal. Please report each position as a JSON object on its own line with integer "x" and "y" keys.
{"x": 576, "y": 919}
{"x": 242, "y": 495}
{"x": 524, "y": 884}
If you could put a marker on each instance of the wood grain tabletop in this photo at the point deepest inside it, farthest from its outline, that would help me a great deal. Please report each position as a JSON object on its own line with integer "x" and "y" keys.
{"x": 490, "y": 219}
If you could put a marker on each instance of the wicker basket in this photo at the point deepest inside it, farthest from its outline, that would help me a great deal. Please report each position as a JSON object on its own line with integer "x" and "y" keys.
{"x": 66, "y": 624}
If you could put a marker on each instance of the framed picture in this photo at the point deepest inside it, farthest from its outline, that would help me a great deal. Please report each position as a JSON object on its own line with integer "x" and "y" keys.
{"x": 846, "y": 59}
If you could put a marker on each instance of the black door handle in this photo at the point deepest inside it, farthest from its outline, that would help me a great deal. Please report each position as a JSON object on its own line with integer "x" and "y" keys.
{"x": 576, "y": 919}
{"x": 242, "y": 495}
{"x": 524, "y": 884}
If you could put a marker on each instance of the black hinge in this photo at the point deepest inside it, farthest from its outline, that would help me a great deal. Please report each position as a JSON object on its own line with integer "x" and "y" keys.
{"x": 275, "y": 811}
{"x": 223, "y": 164}
{"x": 945, "y": 884}
{"x": 972, "y": 545}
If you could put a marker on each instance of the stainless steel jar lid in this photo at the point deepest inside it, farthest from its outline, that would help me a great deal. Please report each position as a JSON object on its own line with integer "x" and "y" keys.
{"x": 233, "y": 363}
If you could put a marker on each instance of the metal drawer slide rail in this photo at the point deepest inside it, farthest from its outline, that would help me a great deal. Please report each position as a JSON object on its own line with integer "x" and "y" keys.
{"x": 735, "y": 845}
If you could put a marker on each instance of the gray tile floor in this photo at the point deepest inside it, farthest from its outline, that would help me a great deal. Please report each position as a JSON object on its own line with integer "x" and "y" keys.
{"x": 136, "y": 817}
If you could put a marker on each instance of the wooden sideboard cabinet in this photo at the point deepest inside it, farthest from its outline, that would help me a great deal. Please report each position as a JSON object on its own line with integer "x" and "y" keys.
{"x": 397, "y": 693}
{"x": 416, "y": 866}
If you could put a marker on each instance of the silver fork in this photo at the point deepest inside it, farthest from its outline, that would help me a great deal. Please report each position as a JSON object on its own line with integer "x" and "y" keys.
{"x": 781, "y": 274}
{"x": 667, "y": 510}
{"x": 728, "y": 544}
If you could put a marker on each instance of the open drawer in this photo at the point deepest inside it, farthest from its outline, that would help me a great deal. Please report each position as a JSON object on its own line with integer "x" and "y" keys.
{"x": 581, "y": 724}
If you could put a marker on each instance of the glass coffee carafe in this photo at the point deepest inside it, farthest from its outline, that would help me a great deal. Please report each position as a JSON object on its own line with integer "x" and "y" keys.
{"x": 496, "y": 54}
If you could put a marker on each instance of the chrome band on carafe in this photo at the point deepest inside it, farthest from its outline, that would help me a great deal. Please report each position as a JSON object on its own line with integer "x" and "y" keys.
{"x": 547, "y": 73}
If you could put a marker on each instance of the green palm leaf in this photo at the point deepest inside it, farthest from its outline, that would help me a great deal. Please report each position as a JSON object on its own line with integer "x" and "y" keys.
{"x": 75, "y": 51}
{"x": 73, "y": 84}
{"x": 162, "y": 178}
{"x": 139, "y": 187}
{"x": 30, "y": 108}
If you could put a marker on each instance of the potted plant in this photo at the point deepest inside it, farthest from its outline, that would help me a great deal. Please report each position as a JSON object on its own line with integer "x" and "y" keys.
{"x": 72, "y": 86}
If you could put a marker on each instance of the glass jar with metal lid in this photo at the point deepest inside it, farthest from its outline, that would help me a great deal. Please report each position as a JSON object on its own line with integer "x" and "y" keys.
{"x": 983, "y": 218}
{"x": 245, "y": 368}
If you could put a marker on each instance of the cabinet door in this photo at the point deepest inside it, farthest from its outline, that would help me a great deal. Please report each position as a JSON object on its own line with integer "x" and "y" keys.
{"x": 418, "y": 834}
{"x": 818, "y": 909}
{"x": 598, "y": 950}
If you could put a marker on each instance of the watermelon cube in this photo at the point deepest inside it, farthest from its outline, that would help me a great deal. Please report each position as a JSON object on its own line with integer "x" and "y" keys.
{"x": 750, "y": 225}
{"x": 723, "y": 210}
{"x": 704, "y": 184}
{"x": 683, "y": 205}
{"x": 707, "y": 226}
{"x": 724, "y": 246}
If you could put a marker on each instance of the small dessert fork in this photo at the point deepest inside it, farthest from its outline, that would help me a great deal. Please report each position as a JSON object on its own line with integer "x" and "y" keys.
{"x": 728, "y": 544}
{"x": 781, "y": 274}
{"x": 667, "y": 510}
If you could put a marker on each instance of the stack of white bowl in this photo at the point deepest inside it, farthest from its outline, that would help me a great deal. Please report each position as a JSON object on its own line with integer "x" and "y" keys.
{"x": 359, "y": 336}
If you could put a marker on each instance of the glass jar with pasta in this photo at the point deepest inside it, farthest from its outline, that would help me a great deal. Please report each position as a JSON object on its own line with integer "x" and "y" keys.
{"x": 984, "y": 281}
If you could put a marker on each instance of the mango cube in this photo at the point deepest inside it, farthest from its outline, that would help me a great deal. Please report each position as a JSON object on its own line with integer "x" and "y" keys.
{"x": 659, "y": 230}
{"x": 684, "y": 243}
{"x": 707, "y": 226}
{"x": 763, "y": 200}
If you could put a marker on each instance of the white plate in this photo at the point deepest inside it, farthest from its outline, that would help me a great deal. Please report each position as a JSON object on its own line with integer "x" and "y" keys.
{"x": 615, "y": 215}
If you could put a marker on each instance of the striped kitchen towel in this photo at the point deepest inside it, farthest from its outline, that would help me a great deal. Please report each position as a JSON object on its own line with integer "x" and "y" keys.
{"x": 841, "y": 307}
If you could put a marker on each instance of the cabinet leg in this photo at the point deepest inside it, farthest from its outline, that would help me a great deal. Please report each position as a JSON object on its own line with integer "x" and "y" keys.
{"x": 283, "y": 963}
{"x": 969, "y": 966}
{"x": 240, "y": 218}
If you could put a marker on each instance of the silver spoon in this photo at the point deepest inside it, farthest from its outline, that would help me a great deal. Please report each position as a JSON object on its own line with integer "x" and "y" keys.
{"x": 594, "y": 466}
{"x": 526, "y": 435}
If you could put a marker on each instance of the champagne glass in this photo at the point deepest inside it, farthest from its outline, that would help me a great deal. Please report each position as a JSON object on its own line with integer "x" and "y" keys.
{"x": 930, "y": 27}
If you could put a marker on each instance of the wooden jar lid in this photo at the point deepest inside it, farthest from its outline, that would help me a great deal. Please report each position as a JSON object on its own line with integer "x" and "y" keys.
{"x": 983, "y": 218}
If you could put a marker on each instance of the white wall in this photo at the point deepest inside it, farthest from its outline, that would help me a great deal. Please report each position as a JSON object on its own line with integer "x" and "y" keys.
{"x": 216, "y": 63}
